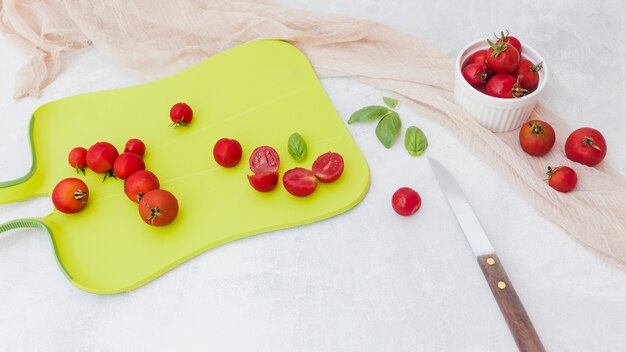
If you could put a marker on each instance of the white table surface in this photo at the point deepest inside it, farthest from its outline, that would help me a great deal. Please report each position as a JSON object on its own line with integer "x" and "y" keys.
{"x": 367, "y": 280}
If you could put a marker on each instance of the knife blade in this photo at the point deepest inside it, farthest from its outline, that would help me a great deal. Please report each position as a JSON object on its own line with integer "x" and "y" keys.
{"x": 517, "y": 319}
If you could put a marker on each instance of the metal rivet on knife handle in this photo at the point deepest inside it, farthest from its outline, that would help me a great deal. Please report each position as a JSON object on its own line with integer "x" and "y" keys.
{"x": 491, "y": 261}
{"x": 501, "y": 285}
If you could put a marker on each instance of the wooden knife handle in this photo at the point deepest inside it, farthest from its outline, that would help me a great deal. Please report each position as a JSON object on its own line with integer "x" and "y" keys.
{"x": 512, "y": 309}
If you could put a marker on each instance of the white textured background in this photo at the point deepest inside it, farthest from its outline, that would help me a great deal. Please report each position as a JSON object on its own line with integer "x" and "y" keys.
{"x": 366, "y": 280}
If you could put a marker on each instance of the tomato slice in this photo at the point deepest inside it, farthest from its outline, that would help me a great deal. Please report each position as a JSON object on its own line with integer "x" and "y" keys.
{"x": 264, "y": 160}
{"x": 300, "y": 182}
{"x": 328, "y": 167}
{"x": 264, "y": 182}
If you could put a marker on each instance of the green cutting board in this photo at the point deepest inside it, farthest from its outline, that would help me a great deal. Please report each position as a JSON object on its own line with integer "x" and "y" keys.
{"x": 258, "y": 93}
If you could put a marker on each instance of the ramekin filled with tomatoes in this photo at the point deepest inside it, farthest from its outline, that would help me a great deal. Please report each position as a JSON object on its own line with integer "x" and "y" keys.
{"x": 499, "y": 81}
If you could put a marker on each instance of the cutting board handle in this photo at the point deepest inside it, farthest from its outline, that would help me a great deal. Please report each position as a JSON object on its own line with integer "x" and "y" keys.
{"x": 23, "y": 223}
{"x": 512, "y": 309}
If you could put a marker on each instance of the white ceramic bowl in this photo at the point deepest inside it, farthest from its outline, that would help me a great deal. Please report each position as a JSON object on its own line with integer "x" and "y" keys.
{"x": 496, "y": 114}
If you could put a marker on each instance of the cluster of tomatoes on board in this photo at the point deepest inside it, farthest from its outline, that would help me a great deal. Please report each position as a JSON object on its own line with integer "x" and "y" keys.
{"x": 157, "y": 207}
{"x": 264, "y": 162}
{"x": 585, "y": 145}
{"x": 500, "y": 70}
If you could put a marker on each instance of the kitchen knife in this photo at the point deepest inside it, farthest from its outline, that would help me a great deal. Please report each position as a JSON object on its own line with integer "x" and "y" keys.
{"x": 511, "y": 307}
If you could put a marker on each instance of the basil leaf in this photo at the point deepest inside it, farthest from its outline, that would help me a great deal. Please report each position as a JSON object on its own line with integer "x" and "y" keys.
{"x": 388, "y": 129}
{"x": 369, "y": 113}
{"x": 297, "y": 147}
{"x": 391, "y": 102}
{"x": 415, "y": 141}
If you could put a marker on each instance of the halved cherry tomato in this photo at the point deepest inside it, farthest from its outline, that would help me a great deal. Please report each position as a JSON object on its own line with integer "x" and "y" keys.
{"x": 70, "y": 195}
{"x": 328, "y": 167}
{"x": 300, "y": 182}
{"x": 264, "y": 181}
{"x": 264, "y": 160}
{"x": 158, "y": 208}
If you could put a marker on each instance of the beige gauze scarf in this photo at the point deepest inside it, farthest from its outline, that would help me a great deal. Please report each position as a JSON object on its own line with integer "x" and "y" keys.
{"x": 156, "y": 38}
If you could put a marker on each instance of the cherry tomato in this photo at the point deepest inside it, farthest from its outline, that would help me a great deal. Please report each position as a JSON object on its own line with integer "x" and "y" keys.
{"x": 70, "y": 195}
{"x": 586, "y": 146}
{"x": 140, "y": 183}
{"x": 135, "y": 146}
{"x": 480, "y": 58}
{"x": 127, "y": 164}
{"x": 405, "y": 201}
{"x": 502, "y": 58}
{"x": 264, "y": 181}
{"x": 101, "y": 157}
{"x": 562, "y": 178}
{"x": 181, "y": 114}
{"x": 328, "y": 167}
{"x": 158, "y": 208}
{"x": 78, "y": 159}
{"x": 264, "y": 160}
{"x": 536, "y": 137}
{"x": 227, "y": 152}
{"x": 528, "y": 74}
{"x": 506, "y": 38}
{"x": 474, "y": 74}
{"x": 505, "y": 86}
{"x": 300, "y": 182}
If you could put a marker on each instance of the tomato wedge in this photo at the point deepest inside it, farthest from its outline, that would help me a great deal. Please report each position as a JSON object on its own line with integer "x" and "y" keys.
{"x": 328, "y": 167}
{"x": 264, "y": 160}
{"x": 264, "y": 181}
{"x": 300, "y": 182}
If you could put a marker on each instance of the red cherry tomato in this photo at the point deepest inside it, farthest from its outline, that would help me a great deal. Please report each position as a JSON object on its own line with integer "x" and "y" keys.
{"x": 101, "y": 157}
{"x": 536, "y": 137}
{"x": 78, "y": 159}
{"x": 300, "y": 182}
{"x": 480, "y": 58}
{"x": 227, "y": 152}
{"x": 70, "y": 195}
{"x": 562, "y": 178}
{"x": 506, "y": 38}
{"x": 264, "y": 160}
{"x": 528, "y": 74}
{"x": 505, "y": 86}
{"x": 181, "y": 114}
{"x": 405, "y": 201}
{"x": 127, "y": 164}
{"x": 135, "y": 146}
{"x": 158, "y": 208}
{"x": 328, "y": 167}
{"x": 502, "y": 58}
{"x": 586, "y": 146}
{"x": 140, "y": 183}
{"x": 264, "y": 181}
{"x": 474, "y": 74}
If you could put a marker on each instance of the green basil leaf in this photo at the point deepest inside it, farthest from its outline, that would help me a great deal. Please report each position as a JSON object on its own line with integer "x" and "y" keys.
{"x": 415, "y": 141}
{"x": 369, "y": 113}
{"x": 388, "y": 129}
{"x": 391, "y": 102}
{"x": 297, "y": 147}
